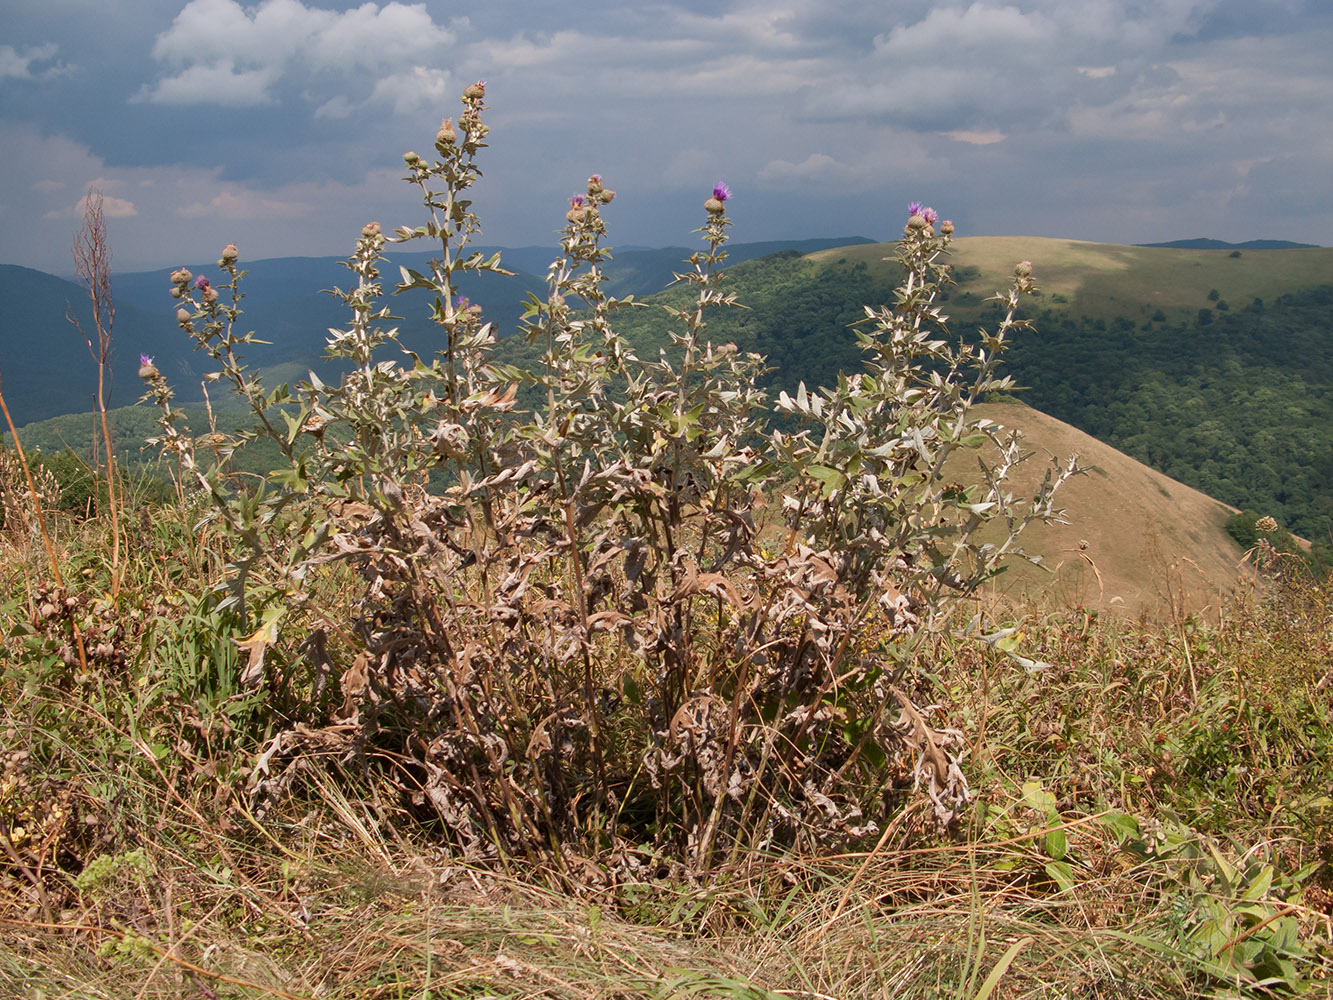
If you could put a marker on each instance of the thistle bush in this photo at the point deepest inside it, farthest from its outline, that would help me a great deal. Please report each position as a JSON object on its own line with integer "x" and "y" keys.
{"x": 598, "y": 607}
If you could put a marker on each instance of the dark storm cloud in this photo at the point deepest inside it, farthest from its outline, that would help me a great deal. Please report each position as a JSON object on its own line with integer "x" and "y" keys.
{"x": 280, "y": 122}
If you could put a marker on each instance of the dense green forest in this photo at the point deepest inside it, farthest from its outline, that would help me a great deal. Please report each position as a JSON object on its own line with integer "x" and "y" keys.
{"x": 1236, "y": 402}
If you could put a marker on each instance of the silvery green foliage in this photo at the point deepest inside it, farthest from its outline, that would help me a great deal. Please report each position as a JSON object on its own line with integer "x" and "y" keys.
{"x": 598, "y": 606}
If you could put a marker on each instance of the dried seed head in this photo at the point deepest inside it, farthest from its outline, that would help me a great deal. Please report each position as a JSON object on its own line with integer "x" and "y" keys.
{"x": 1023, "y": 269}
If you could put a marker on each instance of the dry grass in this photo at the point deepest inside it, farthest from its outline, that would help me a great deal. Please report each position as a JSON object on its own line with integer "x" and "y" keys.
{"x": 1138, "y": 542}
{"x": 158, "y": 881}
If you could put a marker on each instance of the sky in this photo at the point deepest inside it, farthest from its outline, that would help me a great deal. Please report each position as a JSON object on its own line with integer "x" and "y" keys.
{"x": 279, "y": 125}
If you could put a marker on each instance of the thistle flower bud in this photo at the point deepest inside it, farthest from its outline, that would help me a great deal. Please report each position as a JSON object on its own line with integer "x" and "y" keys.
{"x": 177, "y": 291}
{"x": 1266, "y": 523}
{"x": 411, "y": 158}
{"x": 607, "y": 196}
{"x": 917, "y": 221}
{"x": 595, "y": 184}
{"x": 210, "y": 295}
{"x": 147, "y": 370}
{"x": 229, "y": 254}
{"x": 715, "y": 206}
{"x": 181, "y": 276}
{"x": 446, "y": 136}
{"x": 946, "y": 227}
{"x": 1023, "y": 269}
{"x": 183, "y": 316}
{"x": 475, "y": 92}
{"x": 370, "y": 230}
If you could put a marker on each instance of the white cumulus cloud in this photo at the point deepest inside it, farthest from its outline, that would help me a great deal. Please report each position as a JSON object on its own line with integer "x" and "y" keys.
{"x": 219, "y": 52}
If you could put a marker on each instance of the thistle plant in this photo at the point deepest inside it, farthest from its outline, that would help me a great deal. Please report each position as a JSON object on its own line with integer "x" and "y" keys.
{"x": 599, "y": 605}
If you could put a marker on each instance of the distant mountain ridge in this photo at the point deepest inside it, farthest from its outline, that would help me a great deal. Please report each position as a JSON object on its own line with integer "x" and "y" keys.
{"x": 1203, "y": 243}
{"x": 47, "y": 372}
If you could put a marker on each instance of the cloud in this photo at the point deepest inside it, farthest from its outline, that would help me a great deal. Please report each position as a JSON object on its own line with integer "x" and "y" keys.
{"x": 222, "y": 53}
{"x": 815, "y": 167}
{"x": 236, "y": 204}
{"x": 17, "y": 65}
{"x": 412, "y": 90}
{"x": 172, "y": 212}
{"x": 112, "y": 207}
{"x": 216, "y": 83}
{"x": 975, "y": 138}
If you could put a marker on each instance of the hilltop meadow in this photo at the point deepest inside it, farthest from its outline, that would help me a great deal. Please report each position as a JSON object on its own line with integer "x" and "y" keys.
{"x": 738, "y": 648}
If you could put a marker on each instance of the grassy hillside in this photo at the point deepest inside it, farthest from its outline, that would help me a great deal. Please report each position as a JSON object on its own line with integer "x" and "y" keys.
{"x": 1104, "y": 280}
{"x": 1211, "y": 368}
{"x": 1137, "y": 541}
{"x": 1149, "y": 817}
{"x": 591, "y": 735}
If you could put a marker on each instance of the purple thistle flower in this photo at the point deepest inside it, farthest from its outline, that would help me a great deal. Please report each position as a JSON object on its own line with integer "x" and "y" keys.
{"x": 462, "y": 302}
{"x": 930, "y": 215}
{"x": 721, "y": 192}
{"x": 202, "y": 283}
{"x": 144, "y": 359}
{"x": 914, "y": 209}
{"x": 577, "y": 200}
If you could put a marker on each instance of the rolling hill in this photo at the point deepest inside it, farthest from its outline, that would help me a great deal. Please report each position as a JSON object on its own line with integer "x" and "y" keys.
{"x": 1212, "y": 366}
{"x": 46, "y": 371}
{"x": 1107, "y": 280}
{"x": 1215, "y": 369}
{"x": 1138, "y": 542}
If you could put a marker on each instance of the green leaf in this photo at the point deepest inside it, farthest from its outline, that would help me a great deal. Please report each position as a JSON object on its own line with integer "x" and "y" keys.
{"x": 1061, "y": 874}
{"x": 1057, "y": 844}
{"x": 1036, "y": 798}
{"x": 830, "y": 477}
{"x": 1001, "y": 967}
